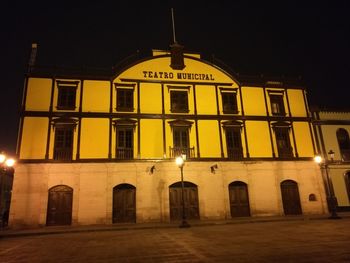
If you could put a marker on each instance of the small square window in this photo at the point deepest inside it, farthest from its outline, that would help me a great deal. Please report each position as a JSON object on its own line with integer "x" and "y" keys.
{"x": 229, "y": 102}
{"x": 66, "y": 97}
{"x": 125, "y": 99}
{"x": 179, "y": 101}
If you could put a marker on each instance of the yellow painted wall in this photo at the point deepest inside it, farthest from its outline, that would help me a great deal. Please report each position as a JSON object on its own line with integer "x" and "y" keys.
{"x": 253, "y": 101}
{"x": 38, "y": 94}
{"x": 206, "y": 99}
{"x": 151, "y": 139}
{"x": 151, "y": 98}
{"x": 303, "y": 139}
{"x": 77, "y": 96}
{"x": 94, "y": 138}
{"x": 96, "y": 96}
{"x": 297, "y": 103}
{"x": 258, "y": 139}
{"x": 34, "y": 138}
{"x": 209, "y": 139}
{"x": 340, "y": 191}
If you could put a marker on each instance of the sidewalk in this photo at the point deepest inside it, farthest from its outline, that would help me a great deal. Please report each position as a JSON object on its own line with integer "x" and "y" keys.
{"x": 49, "y": 230}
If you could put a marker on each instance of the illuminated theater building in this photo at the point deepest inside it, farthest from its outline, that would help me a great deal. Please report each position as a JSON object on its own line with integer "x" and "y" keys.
{"x": 100, "y": 149}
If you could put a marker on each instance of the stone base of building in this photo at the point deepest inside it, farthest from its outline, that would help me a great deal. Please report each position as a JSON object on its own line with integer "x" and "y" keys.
{"x": 107, "y": 193}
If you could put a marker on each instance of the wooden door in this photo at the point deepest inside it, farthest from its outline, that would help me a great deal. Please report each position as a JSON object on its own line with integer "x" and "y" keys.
{"x": 239, "y": 199}
{"x": 124, "y": 204}
{"x": 290, "y": 198}
{"x": 59, "y": 208}
{"x": 190, "y": 198}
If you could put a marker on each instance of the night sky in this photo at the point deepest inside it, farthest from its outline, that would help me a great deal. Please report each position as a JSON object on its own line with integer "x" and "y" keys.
{"x": 307, "y": 38}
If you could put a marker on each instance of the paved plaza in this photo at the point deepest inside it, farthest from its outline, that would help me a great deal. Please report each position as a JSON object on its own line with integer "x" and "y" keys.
{"x": 320, "y": 240}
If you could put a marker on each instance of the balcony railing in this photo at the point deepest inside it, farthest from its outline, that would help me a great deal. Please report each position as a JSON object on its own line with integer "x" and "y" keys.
{"x": 62, "y": 154}
{"x": 285, "y": 152}
{"x": 125, "y": 153}
{"x": 234, "y": 154}
{"x": 177, "y": 151}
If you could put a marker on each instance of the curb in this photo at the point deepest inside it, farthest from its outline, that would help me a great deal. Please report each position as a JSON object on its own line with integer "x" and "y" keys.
{"x": 11, "y": 233}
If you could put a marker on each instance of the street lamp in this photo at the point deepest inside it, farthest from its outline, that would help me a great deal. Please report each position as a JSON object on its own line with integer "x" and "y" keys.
{"x": 180, "y": 162}
{"x": 6, "y": 179}
{"x": 331, "y": 199}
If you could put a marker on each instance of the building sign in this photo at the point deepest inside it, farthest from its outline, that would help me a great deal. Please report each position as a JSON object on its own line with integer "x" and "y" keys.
{"x": 176, "y": 75}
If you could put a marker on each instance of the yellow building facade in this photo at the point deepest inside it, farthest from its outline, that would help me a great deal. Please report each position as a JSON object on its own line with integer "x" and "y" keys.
{"x": 100, "y": 149}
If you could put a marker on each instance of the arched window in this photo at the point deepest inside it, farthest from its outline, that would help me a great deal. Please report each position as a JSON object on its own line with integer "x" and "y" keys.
{"x": 344, "y": 144}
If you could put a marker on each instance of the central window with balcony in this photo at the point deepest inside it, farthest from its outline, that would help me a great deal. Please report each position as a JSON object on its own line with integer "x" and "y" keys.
{"x": 181, "y": 139}
{"x": 124, "y": 138}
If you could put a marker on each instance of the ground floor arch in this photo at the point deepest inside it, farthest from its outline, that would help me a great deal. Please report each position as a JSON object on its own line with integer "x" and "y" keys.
{"x": 190, "y": 200}
{"x": 124, "y": 204}
{"x": 239, "y": 199}
{"x": 59, "y": 208}
{"x": 290, "y": 198}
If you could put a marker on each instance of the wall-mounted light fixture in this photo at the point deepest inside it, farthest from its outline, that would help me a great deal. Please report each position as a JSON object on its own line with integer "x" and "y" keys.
{"x": 151, "y": 169}
{"x": 213, "y": 168}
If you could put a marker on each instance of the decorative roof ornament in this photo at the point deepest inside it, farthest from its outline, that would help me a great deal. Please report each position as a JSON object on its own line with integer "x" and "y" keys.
{"x": 176, "y": 50}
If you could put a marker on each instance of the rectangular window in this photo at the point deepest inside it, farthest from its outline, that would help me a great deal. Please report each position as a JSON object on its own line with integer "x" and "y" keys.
{"x": 234, "y": 143}
{"x": 277, "y": 105}
{"x": 181, "y": 141}
{"x": 179, "y": 101}
{"x": 125, "y": 99}
{"x": 283, "y": 142}
{"x": 229, "y": 102}
{"x": 63, "y": 149}
{"x": 66, "y": 97}
{"x": 125, "y": 143}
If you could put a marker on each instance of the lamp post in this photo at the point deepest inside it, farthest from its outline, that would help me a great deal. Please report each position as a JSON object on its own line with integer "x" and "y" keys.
{"x": 6, "y": 179}
{"x": 180, "y": 162}
{"x": 331, "y": 199}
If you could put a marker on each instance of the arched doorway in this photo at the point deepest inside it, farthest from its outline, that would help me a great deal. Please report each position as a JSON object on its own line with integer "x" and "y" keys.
{"x": 190, "y": 198}
{"x": 290, "y": 198}
{"x": 124, "y": 203}
{"x": 59, "y": 208}
{"x": 239, "y": 199}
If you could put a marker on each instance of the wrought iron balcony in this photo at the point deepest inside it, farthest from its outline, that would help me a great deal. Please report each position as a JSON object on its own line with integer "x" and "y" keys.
{"x": 285, "y": 152}
{"x": 235, "y": 153}
{"x": 177, "y": 151}
{"x": 62, "y": 154}
{"x": 125, "y": 153}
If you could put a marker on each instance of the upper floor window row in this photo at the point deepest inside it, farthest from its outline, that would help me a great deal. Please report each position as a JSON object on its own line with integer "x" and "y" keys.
{"x": 67, "y": 91}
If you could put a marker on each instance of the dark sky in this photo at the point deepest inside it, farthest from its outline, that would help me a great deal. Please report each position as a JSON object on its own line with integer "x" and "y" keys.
{"x": 307, "y": 38}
